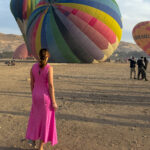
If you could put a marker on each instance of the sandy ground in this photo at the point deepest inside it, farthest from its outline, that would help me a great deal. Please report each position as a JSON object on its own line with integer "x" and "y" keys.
{"x": 100, "y": 108}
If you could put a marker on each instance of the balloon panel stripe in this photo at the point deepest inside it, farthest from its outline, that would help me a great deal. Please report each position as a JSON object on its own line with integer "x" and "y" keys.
{"x": 38, "y": 35}
{"x": 25, "y": 9}
{"x": 34, "y": 15}
{"x": 109, "y": 3}
{"x": 28, "y": 9}
{"x": 29, "y": 35}
{"x": 34, "y": 35}
{"x": 98, "y": 5}
{"x": 90, "y": 32}
{"x": 61, "y": 43}
{"x": 85, "y": 42}
{"x": 20, "y": 5}
{"x": 43, "y": 33}
{"x": 71, "y": 36}
{"x": 100, "y": 15}
{"x": 93, "y": 22}
{"x": 22, "y": 9}
{"x": 51, "y": 42}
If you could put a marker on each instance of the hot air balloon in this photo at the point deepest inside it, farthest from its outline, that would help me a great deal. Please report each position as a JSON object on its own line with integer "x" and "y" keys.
{"x": 75, "y": 31}
{"x": 21, "y": 52}
{"x": 22, "y": 9}
{"x": 141, "y": 35}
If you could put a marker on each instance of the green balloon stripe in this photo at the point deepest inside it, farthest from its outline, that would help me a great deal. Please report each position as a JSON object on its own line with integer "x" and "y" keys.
{"x": 32, "y": 4}
{"x": 63, "y": 47}
{"x": 115, "y": 3}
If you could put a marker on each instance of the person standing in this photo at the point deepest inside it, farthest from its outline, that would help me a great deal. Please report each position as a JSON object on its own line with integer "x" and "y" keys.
{"x": 42, "y": 124}
{"x": 132, "y": 67}
{"x": 145, "y": 63}
{"x": 145, "y": 68}
{"x": 141, "y": 69}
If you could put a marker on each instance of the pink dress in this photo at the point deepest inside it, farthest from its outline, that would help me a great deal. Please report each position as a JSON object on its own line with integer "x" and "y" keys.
{"x": 42, "y": 124}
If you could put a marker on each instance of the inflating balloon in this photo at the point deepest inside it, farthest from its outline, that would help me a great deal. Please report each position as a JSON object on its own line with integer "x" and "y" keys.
{"x": 22, "y": 9}
{"x": 72, "y": 30}
{"x": 75, "y": 30}
{"x": 141, "y": 35}
{"x": 21, "y": 52}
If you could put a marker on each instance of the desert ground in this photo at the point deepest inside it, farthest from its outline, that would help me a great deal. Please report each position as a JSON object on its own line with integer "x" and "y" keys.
{"x": 100, "y": 107}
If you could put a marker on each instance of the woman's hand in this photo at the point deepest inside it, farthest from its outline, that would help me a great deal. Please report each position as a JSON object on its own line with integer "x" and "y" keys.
{"x": 54, "y": 105}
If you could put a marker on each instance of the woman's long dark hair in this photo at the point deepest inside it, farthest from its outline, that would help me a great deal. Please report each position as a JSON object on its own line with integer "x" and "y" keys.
{"x": 43, "y": 54}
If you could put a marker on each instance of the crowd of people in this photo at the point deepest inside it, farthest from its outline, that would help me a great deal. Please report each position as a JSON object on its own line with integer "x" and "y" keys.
{"x": 142, "y": 64}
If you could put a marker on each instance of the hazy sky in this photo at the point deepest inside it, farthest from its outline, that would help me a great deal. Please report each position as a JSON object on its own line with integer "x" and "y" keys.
{"x": 133, "y": 11}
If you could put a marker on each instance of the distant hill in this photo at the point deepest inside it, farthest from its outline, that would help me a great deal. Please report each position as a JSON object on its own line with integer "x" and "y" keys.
{"x": 128, "y": 47}
{"x": 126, "y": 50}
{"x": 9, "y": 43}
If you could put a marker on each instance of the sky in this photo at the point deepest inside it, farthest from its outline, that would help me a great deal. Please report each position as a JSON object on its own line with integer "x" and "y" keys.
{"x": 133, "y": 12}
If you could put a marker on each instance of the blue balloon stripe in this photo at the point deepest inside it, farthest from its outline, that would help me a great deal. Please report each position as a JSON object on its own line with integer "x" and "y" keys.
{"x": 97, "y": 5}
{"x": 51, "y": 43}
{"x": 16, "y": 9}
{"x": 108, "y": 3}
{"x": 43, "y": 33}
{"x": 111, "y": 4}
{"x": 12, "y": 6}
{"x": 20, "y": 12}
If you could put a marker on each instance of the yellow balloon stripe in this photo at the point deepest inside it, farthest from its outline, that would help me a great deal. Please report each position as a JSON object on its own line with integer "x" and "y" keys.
{"x": 98, "y": 14}
{"x": 41, "y": 5}
{"x": 115, "y": 45}
{"x": 109, "y": 51}
{"x": 28, "y": 9}
{"x": 38, "y": 35}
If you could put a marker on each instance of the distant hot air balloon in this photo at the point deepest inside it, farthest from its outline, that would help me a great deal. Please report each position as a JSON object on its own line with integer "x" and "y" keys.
{"x": 21, "y": 52}
{"x": 75, "y": 30}
{"x": 141, "y": 35}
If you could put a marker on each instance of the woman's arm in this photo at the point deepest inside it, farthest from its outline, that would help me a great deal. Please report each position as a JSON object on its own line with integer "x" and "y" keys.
{"x": 51, "y": 88}
{"x": 31, "y": 80}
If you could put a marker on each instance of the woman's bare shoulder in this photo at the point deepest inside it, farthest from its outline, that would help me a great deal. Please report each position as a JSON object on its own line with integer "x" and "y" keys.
{"x": 50, "y": 68}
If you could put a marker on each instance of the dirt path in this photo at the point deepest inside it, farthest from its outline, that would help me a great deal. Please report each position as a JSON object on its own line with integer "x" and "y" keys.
{"x": 100, "y": 108}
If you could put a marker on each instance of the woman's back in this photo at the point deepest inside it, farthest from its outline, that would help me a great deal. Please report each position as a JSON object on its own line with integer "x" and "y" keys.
{"x": 40, "y": 91}
{"x": 40, "y": 76}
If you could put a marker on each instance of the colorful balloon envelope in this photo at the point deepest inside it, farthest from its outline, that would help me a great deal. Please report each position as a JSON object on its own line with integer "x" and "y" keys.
{"x": 21, "y": 52}
{"x": 141, "y": 35}
{"x": 22, "y": 9}
{"x": 75, "y": 31}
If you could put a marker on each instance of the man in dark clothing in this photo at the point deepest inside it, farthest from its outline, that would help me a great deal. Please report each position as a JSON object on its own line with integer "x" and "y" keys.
{"x": 145, "y": 67}
{"x": 141, "y": 69}
{"x": 145, "y": 63}
{"x": 132, "y": 67}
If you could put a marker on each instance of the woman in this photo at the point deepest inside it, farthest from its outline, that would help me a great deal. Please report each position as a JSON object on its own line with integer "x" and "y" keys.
{"x": 41, "y": 123}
